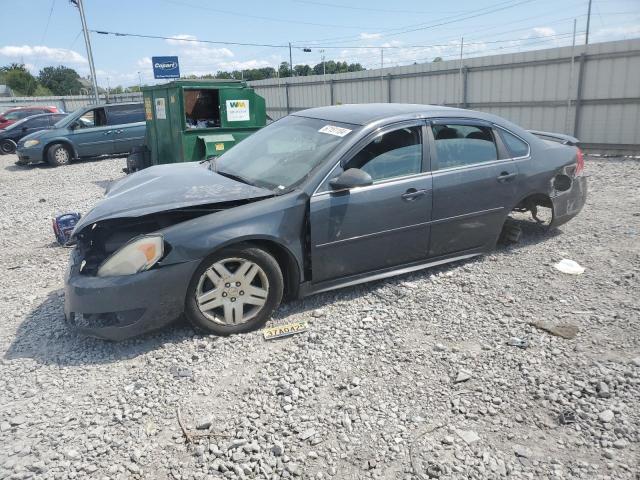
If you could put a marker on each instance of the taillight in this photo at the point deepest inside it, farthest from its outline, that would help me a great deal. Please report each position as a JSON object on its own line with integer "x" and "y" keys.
{"x": 579, "y": 162}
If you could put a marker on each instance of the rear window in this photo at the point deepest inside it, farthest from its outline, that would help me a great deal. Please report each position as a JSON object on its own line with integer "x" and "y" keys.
{"x": 516, "y": 146}
{"x": 119, "y": 114}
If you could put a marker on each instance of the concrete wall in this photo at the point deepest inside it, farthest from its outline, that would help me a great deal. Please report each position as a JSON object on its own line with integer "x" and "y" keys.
{"x": 599, "y": 102}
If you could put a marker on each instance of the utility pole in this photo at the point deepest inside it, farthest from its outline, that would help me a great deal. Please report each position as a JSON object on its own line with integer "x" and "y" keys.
{"x": 461, "y": 87}
{"x": 570, "y": 87}
{"x": 290, "y": 60}
{"x": 324, "y": 68}
{"x": 87, "y": 41}
{"x": 586, "y": 38}
{"x": 140, "y": 81}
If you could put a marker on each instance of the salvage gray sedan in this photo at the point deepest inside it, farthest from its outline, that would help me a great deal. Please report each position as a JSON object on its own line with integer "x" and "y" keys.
{"x": 318, "y": 200}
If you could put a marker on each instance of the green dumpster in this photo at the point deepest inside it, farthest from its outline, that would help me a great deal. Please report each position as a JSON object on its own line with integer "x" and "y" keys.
{"x": 191, "y": 120}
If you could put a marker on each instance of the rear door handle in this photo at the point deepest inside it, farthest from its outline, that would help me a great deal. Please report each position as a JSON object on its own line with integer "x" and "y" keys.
{"x": 413, "y": 194}
{"x": 119, "y": 131}
{"x": 506, "y": 176}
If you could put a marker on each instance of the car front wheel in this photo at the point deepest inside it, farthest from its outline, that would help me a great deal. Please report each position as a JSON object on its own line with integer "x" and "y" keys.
{"x": 58, "y": 155}
{"x": 233, "y": 291}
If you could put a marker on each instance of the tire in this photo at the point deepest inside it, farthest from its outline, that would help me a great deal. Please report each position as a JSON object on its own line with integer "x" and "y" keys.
{"x": 511, "y": 233}
{"x": 7, "y": 147}
{"x": 243, "y": 302}
{"x": 58, "y": 154}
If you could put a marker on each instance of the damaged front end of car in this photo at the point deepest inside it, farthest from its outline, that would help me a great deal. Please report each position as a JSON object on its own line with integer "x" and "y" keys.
{"x": 120, "y": 282}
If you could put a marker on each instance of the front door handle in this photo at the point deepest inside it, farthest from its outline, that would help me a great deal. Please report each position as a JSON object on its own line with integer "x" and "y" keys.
{"x": 413, "y": 194}
{"x": 506, "y": 176}
{"x": 108, "y": 132}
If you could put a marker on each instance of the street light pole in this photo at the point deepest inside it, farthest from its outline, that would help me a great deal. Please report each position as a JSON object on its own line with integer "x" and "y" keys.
{"x": 87, "y": 41}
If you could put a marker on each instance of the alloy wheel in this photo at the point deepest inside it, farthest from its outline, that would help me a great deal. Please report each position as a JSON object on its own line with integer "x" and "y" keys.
{"x": 232, "y": 291}
{"x": 62, "y": 155}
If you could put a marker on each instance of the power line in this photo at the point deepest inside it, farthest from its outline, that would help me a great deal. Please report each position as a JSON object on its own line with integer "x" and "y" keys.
{"x": 367, "y": 9}
{"x": 258, "y": 17}
{"x": 161, "y": 37}
{"x": 447, "y": 20}
{"x": 46, "y": 28}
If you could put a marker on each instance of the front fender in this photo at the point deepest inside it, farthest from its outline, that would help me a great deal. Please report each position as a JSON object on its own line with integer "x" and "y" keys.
{"x": 280, "y": 220}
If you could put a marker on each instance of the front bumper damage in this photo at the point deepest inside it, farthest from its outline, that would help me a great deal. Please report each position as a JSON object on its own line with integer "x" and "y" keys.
{"x": 115, "y": 308}
{"x": 568, "y": 204}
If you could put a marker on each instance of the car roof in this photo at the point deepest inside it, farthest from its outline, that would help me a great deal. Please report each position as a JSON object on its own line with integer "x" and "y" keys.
{"x": 367, "y": 113}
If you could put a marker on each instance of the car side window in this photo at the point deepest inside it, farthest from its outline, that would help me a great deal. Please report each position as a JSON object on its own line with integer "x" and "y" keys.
{"x": 393, "y": 154}
{"x": 459, "y": 145}
{"x": 121, "y": 114}
{"x": 516, "y": 146}
{"x": 93, "y": 118}
{"x": 38, "y": 122}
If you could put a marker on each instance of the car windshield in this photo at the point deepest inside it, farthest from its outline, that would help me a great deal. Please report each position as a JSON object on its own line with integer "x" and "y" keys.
{"x": 68, "y": 118}
{"x": 284, "y": 153}
{"x": 15, "y": 115}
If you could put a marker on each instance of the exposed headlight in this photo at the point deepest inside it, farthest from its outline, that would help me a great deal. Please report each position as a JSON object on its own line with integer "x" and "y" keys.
{"x": 31, "y": 143}
{"x": 136, "y": 256}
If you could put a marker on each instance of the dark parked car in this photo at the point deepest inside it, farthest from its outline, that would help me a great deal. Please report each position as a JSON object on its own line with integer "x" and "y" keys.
{"x": 321, "y": 199}
{"x": 10, "y": 136}
{"x": 88, "y": 132}
{"x": 18, "y": 113}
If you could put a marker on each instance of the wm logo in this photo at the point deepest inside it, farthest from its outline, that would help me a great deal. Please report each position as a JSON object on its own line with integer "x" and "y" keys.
{"x": 237, "y": 104}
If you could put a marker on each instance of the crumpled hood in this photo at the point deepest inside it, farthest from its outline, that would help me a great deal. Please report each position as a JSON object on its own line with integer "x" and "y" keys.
{"x": 168, "y": 187}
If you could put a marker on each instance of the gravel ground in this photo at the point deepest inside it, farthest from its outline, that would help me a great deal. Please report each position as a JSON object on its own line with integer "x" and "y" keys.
{"x": 408, "y": 378}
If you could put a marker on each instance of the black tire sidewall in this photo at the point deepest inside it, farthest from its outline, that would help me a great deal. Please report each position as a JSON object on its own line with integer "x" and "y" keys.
{"x": 51, "y": 159}
{"x": 10, "y": 150}
{"x": 276, "y": 288}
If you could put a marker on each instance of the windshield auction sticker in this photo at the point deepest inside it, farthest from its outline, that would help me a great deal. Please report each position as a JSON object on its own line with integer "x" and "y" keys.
{"x": 333, "y": 130}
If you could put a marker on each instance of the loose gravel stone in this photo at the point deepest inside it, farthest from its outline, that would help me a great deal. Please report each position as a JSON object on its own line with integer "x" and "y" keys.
{"x": 370, "y": 391}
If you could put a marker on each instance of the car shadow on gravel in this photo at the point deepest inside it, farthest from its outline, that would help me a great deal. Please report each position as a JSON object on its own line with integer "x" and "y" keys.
{"x": 45, "y": 337}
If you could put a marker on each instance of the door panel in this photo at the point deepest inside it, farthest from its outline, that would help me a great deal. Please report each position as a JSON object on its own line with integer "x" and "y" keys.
{"x": 93, "y": 137}
{"x": 128, "y": 136}
{"x": 473, "y": 189}
{"x": 370, "y": 228}
{"x": 382, "y": 225}
{"x": 469, "y": 206}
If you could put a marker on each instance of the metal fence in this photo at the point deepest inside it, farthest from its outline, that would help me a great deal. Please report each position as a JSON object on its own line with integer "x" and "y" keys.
{"x": 68, "y": 102}
{"x": 592, "y": 93}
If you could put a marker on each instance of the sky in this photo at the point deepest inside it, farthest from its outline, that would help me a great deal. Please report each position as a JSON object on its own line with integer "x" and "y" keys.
{"x": 48, "y": 32}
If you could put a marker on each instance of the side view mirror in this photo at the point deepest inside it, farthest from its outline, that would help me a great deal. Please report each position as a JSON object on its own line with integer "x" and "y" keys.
{"x": 351, "y": 178}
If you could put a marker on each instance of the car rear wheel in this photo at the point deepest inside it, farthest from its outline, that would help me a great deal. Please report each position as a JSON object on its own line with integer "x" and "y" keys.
{"x": 7, "y": 147}
{"x": 234, "y": 291}
{"x": 58, "y": 155}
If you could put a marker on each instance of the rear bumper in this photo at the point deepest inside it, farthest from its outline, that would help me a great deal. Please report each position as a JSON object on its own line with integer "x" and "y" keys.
{"x": 568, "y": 204}
{"x": 116, "y": 308}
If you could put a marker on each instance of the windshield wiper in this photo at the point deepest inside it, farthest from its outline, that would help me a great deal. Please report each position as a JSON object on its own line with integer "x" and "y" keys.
{"x": 235, "y": 177}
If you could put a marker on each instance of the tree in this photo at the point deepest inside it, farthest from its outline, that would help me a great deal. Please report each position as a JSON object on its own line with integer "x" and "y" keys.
{"x": 17, "y": 77}
{"x": 60, "y": 80}
{"x": 283, "y": 70}
{"x": 42, "y": 91}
